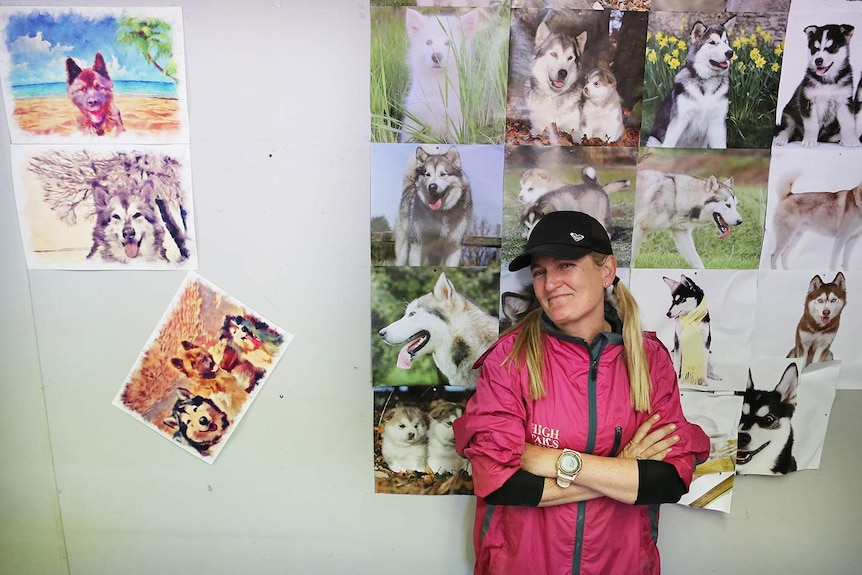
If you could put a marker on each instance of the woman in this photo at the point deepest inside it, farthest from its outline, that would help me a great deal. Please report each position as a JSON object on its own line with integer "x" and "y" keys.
{"x": 575, "y": 432}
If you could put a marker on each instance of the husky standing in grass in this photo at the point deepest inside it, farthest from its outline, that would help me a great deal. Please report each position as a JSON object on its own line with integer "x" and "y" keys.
{"x": 433, "y": 102}
{"x": 694, "y": 112}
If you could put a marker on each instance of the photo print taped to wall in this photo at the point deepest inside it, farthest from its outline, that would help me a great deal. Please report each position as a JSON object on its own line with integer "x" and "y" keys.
{"x": 202, "y": 367}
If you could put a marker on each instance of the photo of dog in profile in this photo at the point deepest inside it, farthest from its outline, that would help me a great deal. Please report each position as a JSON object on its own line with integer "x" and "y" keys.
{"x": 404, "y": 442}
{"x": 834, "y": 214}
{"x": 821, "y": 317}
{"x": 435, "y": 212}
{"x": 765, "y": 441}
{"x": 692, "y": 340}
{"x": 822, "y": 107}
{"x": 543, "y": 193}
{"x": 694, "y": 112}
{"x": 91, "y": 90}
{"x": 128, "y": 226}
{"x": 447, "y": 325}
{"x": 679, "y": 203}
{"x": 438, "y": 42}
{"x": 442, "y": 457}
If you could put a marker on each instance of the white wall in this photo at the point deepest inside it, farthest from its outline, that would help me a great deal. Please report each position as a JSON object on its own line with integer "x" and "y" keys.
{"x": 278, "y": 94}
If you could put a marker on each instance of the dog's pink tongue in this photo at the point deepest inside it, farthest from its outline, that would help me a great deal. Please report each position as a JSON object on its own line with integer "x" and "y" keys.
{"x": 724, "y": 234}
{"x": 825, "y": 319}
{"x": 404, "y": 359}
{"x": 436, "y": 205}
{"x": 131, "y": 250}
{"x": 558, "y": 84}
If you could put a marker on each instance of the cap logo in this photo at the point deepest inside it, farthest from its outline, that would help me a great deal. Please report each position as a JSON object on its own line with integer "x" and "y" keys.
{"x": 576, "y": 236}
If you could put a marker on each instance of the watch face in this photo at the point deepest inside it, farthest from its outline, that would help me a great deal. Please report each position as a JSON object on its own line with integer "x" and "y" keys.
{"x": 568, "y": 463}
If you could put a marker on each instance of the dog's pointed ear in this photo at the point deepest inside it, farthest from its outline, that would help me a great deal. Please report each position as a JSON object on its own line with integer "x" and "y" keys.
{"x": 697, "y": 31}
{"x": 815, "y": 283}
{"x": 542, "y": 33}
{"x": 469, "y": 23}
{"x": 101, "y": 194}
{"x": 413, "y": 19}
{"x": 147, "y": 190}
{"x": 187, "y": 345}
{"x": 444, "y": 289}
{"x": 99, "y": 65}
{"x": 421, "y": 154}
{"x": 847, "y": 30}
{"x": 453, "y": 156}
{"x": 171, "y": 422}
{"x": 671, "y": 283}
{"x": 788, "y": 383}
{"x": 72, "y": 70}
{"x": 728, "y": 24}
{"x": 839, "y": 280}
{"x": 178, "y": 363}
{"x": 580, "y": 42}
{"x": 810, "y": 30}
{"x": 749, "y": 385}
{"x": 184, "y": 393}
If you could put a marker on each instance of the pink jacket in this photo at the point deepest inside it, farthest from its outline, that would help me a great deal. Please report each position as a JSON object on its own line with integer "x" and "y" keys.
{"x": 591, "y": 415}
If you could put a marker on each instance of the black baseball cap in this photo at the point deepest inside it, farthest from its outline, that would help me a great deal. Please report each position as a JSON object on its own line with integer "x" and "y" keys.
{"x": 566, "y": 236}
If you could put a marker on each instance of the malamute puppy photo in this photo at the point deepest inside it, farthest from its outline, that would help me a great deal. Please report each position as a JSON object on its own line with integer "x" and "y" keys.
{"x": 823, "y": 105}
{"x": 442, "y": 457}
{"x": 821, "y": 317}
{"x": 693, "y": 113}
{"x": 601, "y": 110}
{"x": 404, "y": 443}
{"x": 435, "y": 212}
{"x": 765, "y": 442}
{"x": 432, "y": 106}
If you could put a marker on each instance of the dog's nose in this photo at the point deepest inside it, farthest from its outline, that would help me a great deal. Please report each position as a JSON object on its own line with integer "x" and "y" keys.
{"x": 729, "y": 54}
{"x": 128, "y": 233}
{"x": 432, "y": 187}
{"x": 743, "y": 439}
{"x": 382, "y": 332}
{"x": 561, "y": 74}
{"x": 436, "y": 57}
{"x": 818, "y": 61}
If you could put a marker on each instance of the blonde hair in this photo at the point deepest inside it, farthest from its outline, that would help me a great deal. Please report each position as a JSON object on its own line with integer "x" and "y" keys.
{"x": 527, "y": 349}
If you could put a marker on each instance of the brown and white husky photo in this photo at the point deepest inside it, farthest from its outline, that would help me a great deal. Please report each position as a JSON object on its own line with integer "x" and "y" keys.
{"x": 821, "y": 317}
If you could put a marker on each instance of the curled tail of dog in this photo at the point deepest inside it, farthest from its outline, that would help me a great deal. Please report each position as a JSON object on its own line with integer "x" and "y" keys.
{"x": 616, "y": 186}
{"x": 785, "y": 183}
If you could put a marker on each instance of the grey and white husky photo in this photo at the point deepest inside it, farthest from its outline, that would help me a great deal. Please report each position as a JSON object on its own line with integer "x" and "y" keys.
{"x": 435, "y": 212}
{"x": 821, "y": 317}
{"x": 404, "y": 440}
{"x": 442, "y": 457}
{"x": 433, "y": 102}
{"x": 448, "y": 326}
{"x": 679, "y": 203}
{"x": 834, "y": 214}
{"x": 554, "y": 89}
{"x": 822, "y": 109}
{"x": 543, "y": 193}
{"x": 128, "y": 225}
{"x": 692, "y": 340}
{"x": 694, "y": 112}
{"x": 601, "y": 108}
{"x": 765, "y": 441}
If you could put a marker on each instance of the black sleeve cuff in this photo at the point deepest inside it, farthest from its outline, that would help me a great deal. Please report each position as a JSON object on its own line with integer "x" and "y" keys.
{"x": 523, "y": 488}
{"x": 658, "y": 482}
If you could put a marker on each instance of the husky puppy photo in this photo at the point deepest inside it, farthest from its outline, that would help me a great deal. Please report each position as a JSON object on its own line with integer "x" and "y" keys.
{"x": 679, "y": 203}
{"x": 693, "y": 113}
{"x": 765, "y": 442}
{"x": 91, "y": 90}
{"x": 692, "y": 340}
{"x": 197, "y": 421}
{"x": 834, "y": 214}
{"x": 442, "y": 457}
{"x": 554, "y": 89}
{"x": 435, "y": 212}
{"x": 432, "y": 107}
{"x": 128, "y": 227}
{"x": 601, "y": 110}
{"x": 821, "y": 317}
{"x": 822, "y": 109}
{"x": 404, "y": 440}
{"x": 448, "y": 326}
{"x": 544, "y": 193}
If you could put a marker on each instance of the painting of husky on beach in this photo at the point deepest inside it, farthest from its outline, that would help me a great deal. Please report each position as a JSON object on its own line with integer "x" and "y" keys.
{"x": 93, "y": 75}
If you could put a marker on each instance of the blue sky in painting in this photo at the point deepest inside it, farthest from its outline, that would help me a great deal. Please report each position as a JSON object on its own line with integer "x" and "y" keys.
{"x": 39, "y": 43}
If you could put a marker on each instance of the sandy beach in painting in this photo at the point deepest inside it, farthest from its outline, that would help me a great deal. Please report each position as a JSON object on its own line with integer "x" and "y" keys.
{"x": 57, "y": 115}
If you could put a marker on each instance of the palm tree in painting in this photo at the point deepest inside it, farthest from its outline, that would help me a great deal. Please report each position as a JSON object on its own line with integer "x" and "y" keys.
{"x": 152, "y": 38}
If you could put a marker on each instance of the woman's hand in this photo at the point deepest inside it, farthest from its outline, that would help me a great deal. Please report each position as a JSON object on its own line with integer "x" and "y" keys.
{"x": 650, "y": 444}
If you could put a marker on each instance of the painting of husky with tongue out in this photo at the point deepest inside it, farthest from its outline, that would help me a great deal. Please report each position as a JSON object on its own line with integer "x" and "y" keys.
{"x": 436, "y": 209}
{"x": 678, "y": 203}
{"x": 693, "y": 114}
{"x": 447, "y": 325}
{"x": 128, "y": 228}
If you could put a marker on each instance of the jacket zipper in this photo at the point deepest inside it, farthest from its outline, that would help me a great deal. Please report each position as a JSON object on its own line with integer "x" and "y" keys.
{"x": 618, "y": 437}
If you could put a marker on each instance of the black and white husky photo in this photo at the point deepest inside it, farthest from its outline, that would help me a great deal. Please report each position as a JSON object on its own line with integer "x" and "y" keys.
{"x": 765, "y": 442}
{"x": 436, "y": 210}
{"x": 679, "y": 203}
{"x": 693, "y": 114}
{"x": 692, "y": 340}
{"x": 446, "y": 325}
{"x": 821, "y": 317}
{"x": 823, "y": 106}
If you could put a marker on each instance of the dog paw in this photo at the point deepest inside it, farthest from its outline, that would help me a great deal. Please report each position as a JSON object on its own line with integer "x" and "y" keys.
{"x": 808, "y": 143}
{"x": 779, "y": 141}
{"x": 850, "y": 143}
